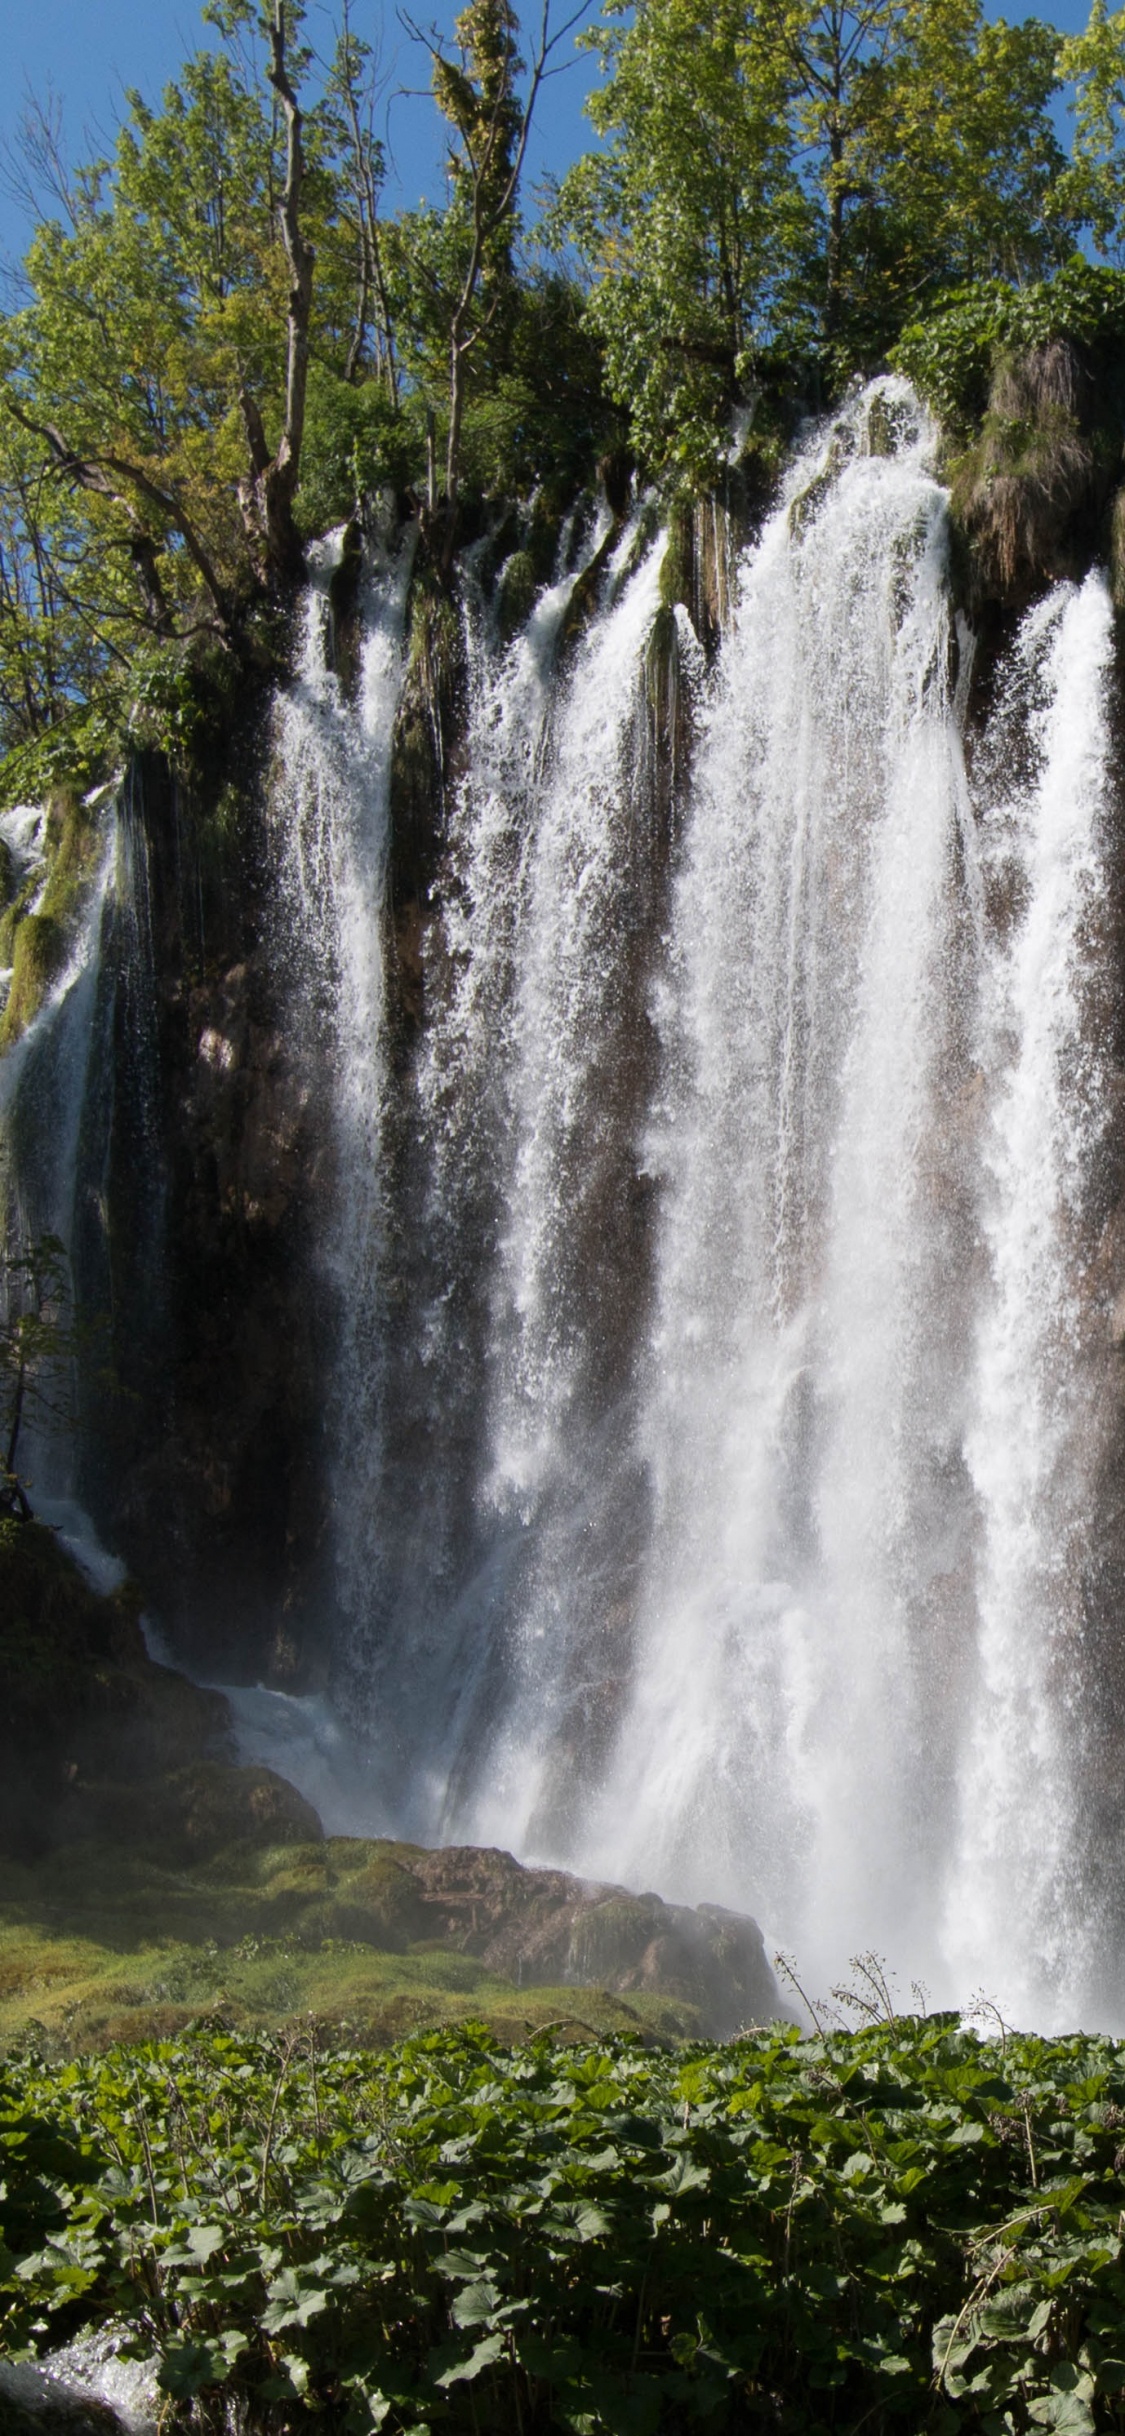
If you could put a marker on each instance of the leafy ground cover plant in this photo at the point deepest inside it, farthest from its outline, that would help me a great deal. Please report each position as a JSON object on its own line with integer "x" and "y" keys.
{"x": 899, "y": 2227}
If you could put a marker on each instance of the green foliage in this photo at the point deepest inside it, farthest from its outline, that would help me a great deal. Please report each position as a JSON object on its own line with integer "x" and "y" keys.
{"x": 901, "y": 2226}
{"x": 795, "y": 180}
{"x": 357, "y": 443}
{"x": 781, "y": 191}
{"x": 39, "y": 947}
{"x": 1093, "y": 186}
{"x": 950, "y": 358}
{"x": 691, "y": 220}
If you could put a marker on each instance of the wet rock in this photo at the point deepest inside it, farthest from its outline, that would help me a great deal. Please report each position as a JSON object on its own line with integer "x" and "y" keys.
{"x": 35, "y": 2404}
{"x": 85, "y": 2389}
{"x": 538, "y": 1926}
{"x": 80, "y": 1697}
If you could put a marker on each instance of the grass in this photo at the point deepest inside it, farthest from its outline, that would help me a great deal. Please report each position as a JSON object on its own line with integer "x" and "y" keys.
{"x": 98, "y": 1945}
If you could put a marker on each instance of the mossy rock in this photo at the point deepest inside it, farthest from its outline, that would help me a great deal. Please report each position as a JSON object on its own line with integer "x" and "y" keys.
{"x": 38, "y": 952}
{"x": 808, "y": 503}
{"x": 382, "y": 1907}
{"x": 677, "y": 571}
{"x": 35, "y": 944}
{"x": 1030, "y": 493}
{"x": 662, "y": 660}
{"x": 515, "y": 593}
{"x": 73, "y": 837}
{"x": 543, "y": 536}
{"x": 610, "y": 1940}
{"x": 888, "y": 421}
{"x": 586, "y": 590}
{"x": 14, "y": 913}
{"x": 9, "y": 877}
{"x": 210, "y": 1807}
{"x": 1117, "y": 549}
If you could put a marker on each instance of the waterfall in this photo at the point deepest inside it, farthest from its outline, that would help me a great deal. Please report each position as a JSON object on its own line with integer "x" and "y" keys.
{"x": 46, "y": 1082}
{"x": 513, "y": 1152}
{"x": 800, "y": 1411}
{"x": 1020, "y": 1892}
{"x": 718, "y": 1262}
{"x": 329, "y": 809}
{"x": 719, "y": 1250}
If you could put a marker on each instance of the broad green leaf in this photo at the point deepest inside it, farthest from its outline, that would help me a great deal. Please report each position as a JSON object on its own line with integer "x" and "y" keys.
{"x": 482, "y": 2356}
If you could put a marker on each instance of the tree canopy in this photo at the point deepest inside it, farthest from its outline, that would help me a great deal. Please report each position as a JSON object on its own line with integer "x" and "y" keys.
{"x": 226, "y": 342}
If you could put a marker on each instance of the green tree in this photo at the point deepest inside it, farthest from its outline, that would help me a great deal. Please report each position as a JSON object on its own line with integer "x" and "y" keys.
{"x": 67, "y": 606}
{"x": 691, "y": 221}
{"x": 1092, "y": 188}
{"x": 345, "y": 125}
{"x": 801, "y": 175}
{"x": 168, "y": 320}
{"x": 966, "y": 161}
{"x": 466, "y": 256}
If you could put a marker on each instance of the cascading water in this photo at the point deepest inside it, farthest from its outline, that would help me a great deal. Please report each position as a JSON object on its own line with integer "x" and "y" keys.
{"x": 514, "y": 1147}
{"x": 798, "y": 1419}
{"x": 718, "y": 1258}
{"x": 331, "y": 805}
{"x": 1021, "y": 1898}
{"x": 725, "y": 1528}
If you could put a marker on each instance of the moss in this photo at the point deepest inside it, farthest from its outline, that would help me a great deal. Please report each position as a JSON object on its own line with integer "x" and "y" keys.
{"x": 38, "y": 950}
{"x": 98, "y": 1946}
{"x": 1029, "y": 493}
{"x": 587, "y": 589}
{"x": 14, "y": 913}
{"x": 677, "y": 569}
{"x": 1117, "y": 548}
{"x": 809, "y": 502}
{"x": 515, "y": 593}
{"x": 695, "y": 571}
{"x": 435, "y": 637}
{"x": 662, "y": 661}
{"x": 35, "y": 944}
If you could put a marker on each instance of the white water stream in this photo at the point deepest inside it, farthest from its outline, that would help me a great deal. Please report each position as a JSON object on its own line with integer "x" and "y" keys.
{"x": 330, "y": 805}
{"x": 734, "y": 1542}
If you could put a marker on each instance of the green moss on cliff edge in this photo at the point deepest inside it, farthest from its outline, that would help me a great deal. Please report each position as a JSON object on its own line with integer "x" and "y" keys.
{"x": 37, "y": 925}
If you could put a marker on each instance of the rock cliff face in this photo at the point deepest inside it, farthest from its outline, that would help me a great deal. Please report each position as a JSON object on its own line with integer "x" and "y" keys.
{"x": 542, "y": 1927}
{"x": 203, "y": 1159}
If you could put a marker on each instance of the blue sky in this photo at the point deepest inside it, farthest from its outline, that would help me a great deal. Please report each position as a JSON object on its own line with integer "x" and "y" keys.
{"x": 88, "y": 51}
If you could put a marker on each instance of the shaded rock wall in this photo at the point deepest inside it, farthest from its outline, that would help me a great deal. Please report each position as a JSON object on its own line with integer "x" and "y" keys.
{"x": 199, "y": 1169}
{"x": 99, "y": 1741}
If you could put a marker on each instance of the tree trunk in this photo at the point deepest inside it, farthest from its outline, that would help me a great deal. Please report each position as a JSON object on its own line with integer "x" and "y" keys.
{"x": 266, "y": 496}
